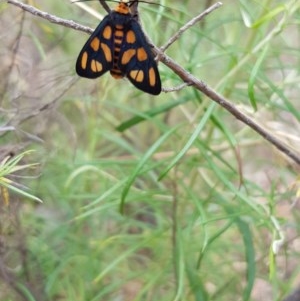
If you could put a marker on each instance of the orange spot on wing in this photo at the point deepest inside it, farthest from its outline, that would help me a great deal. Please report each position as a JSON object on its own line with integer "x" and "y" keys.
{"x": 107, "y": 52}
{"x": 130, "y": 37}
{"x": 96, "y": 66}
{"x": 95, "y": 44}
{"x": 107, "y": 32}
{"x": 137, "y": 75}
{"x": 84, "y": 59}
{"x": 152, "y": 77}
{"x": 141, "y": 54}
{"x": 127, "y": 56}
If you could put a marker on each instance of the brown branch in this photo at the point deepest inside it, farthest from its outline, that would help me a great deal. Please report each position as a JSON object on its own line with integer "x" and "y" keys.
{"x": 178, "y": 88}
{"x": 186, "y": 77}
{"x": 51, "y": 18}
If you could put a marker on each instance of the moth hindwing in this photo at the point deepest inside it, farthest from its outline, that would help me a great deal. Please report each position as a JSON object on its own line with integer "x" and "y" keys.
{"x": 119, "y": 45}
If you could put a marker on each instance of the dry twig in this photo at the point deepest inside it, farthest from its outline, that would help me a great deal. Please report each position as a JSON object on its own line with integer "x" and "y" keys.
{"x": 189, "y": 24}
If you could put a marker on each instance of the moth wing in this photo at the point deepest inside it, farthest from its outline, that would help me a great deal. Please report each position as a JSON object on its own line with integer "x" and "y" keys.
{"x": 96, "y": 56}
{"x": 137, "y": 60}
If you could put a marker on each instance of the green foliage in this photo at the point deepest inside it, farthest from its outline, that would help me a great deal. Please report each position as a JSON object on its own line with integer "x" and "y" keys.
{"x": 153, "y": 198}
{"x": 8, "y": 167}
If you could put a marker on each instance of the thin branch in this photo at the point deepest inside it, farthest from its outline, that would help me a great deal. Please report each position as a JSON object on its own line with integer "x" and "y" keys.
{"x": 15, "y": 49}
{"x": 187, "y": 78}
{"x": 177, "y": 88}
{"x": 190, "y": 24}
{"x": 51, "y": 18}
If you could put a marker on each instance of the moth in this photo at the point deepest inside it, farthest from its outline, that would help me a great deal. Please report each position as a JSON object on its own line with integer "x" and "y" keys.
{"x": 119, "y": 45}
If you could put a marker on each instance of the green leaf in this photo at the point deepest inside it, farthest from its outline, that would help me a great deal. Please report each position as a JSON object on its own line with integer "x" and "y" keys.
{"x": 149, "y": 114}
{"x": 142, "y": 163}
{"x": 191, "y": 140}
{"x": 253, "y": 76}
{"x": 269, "y": 16}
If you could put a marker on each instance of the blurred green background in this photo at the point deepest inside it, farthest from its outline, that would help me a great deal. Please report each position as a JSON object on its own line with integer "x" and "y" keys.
{"x": 222, "y": 224}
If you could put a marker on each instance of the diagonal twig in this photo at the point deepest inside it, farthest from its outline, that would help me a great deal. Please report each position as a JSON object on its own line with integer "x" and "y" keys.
{"x": 189, "y": 24}
{"x": 50, "y": 18}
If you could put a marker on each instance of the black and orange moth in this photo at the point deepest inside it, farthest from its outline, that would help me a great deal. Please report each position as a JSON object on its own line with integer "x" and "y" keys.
{"x": 119, "y": 45}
